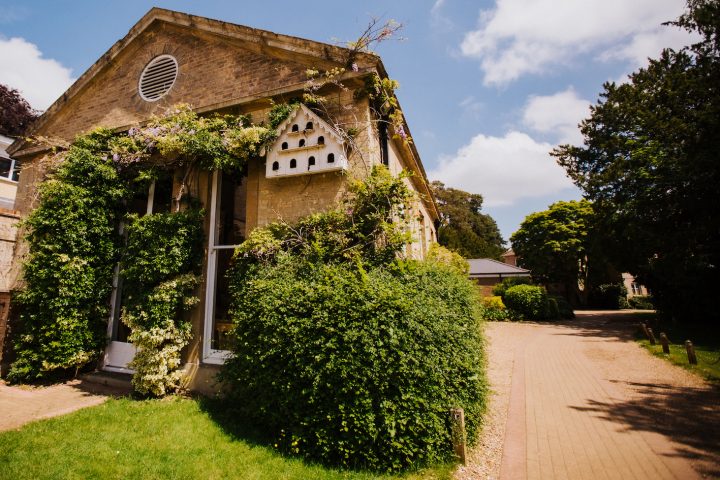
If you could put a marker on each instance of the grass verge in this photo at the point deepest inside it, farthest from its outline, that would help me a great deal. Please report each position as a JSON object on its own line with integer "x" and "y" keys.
{"x": 175, "y": 438}
{"x": 707, "y": 349}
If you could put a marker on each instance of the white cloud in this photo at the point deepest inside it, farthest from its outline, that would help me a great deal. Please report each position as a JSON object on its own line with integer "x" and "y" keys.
{"x": 471, "y": 106}
{"x": 649, "y": 45}
{"x": 503, "y": 169}
{"x": 40, "y": 80}
{"x": 557, "y": 115}
{"x": 437, "y": 18}
{"x": 518, "y": 37}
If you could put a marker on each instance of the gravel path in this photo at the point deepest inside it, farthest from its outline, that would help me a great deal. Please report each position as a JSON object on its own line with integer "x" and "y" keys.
{"x": 585, "y": 401}
{"x": 22, "y": 404}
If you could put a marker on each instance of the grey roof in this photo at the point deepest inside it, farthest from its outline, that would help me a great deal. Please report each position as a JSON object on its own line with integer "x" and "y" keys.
{"x": 487, "y": 267}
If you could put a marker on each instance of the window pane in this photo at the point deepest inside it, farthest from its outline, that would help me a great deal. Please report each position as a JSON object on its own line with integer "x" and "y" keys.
{"x": 221, "y": 318}
{"x": 5, "y": 167}
{"x": 231, "y": 214}
{"x": 16, "y": 171}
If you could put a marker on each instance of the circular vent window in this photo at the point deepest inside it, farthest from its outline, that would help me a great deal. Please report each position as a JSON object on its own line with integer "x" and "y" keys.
{"x": 158, "y": 77}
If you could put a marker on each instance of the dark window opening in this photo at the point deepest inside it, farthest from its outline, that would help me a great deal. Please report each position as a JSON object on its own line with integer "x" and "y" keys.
{"x": 311, "y": 162}
{"x": 309, "y": 126}
{"x": 321, "y": 140}
{"x": 293, "y": 163}
{"x": 331, "y": 158}
{"x": 284, "y": 146}
{"x": 5, "y": 165}
{"x": 16, "y": 171}
{"x": 163, "y": 194}
{"x": 302, "y": 143}
{"x": 295, "y": 128}
{"x": 275, "y": 166}
{"x": 384, "y": 150}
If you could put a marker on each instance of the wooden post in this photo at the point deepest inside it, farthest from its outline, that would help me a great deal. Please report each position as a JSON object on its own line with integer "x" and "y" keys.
{"x": 690, "y": 352}
{"x": 457, "y": 432}
{"x": 644, "y": 328}
{"x": 664, "y": 342}
{"x": 651, "y": 336}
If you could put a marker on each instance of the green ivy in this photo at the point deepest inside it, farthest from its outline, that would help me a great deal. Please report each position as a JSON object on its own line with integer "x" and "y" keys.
{"x": 163, "y": 257}
{"x": 73, "y": 248}
{"x": 369, "y": 226}
{"x": 74, "y": 245}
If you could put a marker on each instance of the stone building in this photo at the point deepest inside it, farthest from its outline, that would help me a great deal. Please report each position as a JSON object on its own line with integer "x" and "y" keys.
{"x": 169, "y": 58}
{"x": 9, "y": 176}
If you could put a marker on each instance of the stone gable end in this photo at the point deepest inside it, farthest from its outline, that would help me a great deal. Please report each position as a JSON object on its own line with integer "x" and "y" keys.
{"x": 212, "y": 71}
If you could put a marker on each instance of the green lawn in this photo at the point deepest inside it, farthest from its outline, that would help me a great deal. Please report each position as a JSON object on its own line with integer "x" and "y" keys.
{"x": 173, "y": 438}
{"x": 707, "y": 349}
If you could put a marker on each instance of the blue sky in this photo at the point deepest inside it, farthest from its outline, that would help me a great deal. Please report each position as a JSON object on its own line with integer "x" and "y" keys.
{"x": 488, "y": 86}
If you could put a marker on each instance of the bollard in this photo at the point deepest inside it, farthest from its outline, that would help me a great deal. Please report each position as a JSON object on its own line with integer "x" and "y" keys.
{"x": 457, "y": 432}
{"x": 651, "y": 336}
{"x": 644, "y": 328}
{"x": 664, "y": 342}
{"x": 690, "y": 352}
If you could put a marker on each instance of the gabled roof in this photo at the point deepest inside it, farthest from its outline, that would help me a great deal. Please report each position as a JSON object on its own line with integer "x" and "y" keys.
{"x": 487, "y": 267}
{"x": 323, "y": 54}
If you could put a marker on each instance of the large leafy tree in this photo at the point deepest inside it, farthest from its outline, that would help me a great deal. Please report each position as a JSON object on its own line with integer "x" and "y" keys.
{"x": 464, "y": 228}
{"x": 16, "y": 114}
{"x": 650, "y": 165}
{"x": 560, "y": 246}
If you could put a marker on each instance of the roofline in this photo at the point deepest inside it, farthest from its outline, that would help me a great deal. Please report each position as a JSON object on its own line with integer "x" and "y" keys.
{"x": 499, "y": 275}
{"x": 331, "y": 53}
{"x": 303, "y": 47}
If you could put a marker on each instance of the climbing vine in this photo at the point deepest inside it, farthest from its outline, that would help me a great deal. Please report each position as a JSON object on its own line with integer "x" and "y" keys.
{"x": 75, "y": 243}
{"x": 160, "y": 273}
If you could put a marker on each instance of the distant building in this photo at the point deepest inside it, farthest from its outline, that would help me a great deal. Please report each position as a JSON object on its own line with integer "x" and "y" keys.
{"x": 9, "y": 174}
{"x": 634, "y": 289}
{"x": 509, "y": 257}
{"x": 487, "y": 273}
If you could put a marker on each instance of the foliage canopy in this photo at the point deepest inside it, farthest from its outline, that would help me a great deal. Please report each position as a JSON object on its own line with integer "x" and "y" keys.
{"x": 16, "y": 114}
{"x": 649, "y": 164}
{"x": 464, "y": 228}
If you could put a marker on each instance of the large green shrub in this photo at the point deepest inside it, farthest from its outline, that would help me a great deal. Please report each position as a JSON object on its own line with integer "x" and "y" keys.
{"x": 500, "y": 288}
{"x": 345, "y": 353}
{"x": 530, "y": 302}
{"x": 354, "y": 367}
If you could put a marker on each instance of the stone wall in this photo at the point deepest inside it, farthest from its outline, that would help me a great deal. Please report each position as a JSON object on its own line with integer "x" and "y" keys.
{"x": 8, "y": 232}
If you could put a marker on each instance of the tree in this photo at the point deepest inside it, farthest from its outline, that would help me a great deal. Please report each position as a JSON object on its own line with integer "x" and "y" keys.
{"x": 560, "y": 246}
{"x": 15, "y": 112}
{"x": 650, "y": 165}
{"x": 464, "y": 229}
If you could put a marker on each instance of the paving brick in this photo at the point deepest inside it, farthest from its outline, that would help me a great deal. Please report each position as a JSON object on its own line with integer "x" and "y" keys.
{"x": 556, "y": 389}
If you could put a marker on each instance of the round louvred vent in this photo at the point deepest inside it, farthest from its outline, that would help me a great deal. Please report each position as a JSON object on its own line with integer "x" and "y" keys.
{"x": 158, "y": 77}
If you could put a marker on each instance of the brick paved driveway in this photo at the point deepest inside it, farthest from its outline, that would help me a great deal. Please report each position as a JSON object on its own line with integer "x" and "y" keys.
{"x": 586, "y": 402}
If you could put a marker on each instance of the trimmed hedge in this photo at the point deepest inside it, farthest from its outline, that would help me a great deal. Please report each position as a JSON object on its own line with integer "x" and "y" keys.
{"x": 356, "y": 368}
{"x": 531, "y": 302}
{"x": 641, "y": 302}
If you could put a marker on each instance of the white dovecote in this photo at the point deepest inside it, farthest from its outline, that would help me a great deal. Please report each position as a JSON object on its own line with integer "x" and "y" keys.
{"x": 306, "y": 144}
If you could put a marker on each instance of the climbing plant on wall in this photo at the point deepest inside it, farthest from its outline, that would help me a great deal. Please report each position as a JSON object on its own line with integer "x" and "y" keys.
{"x": 75, "y": 244}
